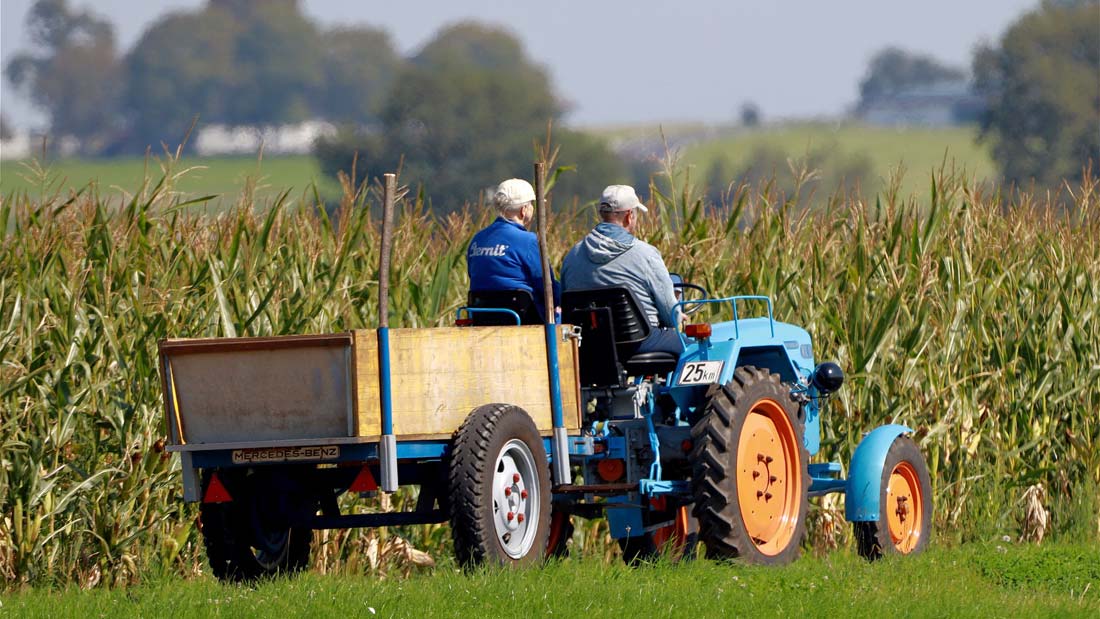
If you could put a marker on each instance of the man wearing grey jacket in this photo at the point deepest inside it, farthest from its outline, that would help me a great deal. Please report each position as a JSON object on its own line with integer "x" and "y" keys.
{"x": 611, "y": 256}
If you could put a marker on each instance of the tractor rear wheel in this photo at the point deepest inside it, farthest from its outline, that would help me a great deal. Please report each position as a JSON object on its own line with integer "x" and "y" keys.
{"x": 905, "y": 505}
{"x": 249, "y": 538}
{"x": 750, "y": 471}
{"x": 677, "y": 540}
{"x": 499, "y": 482}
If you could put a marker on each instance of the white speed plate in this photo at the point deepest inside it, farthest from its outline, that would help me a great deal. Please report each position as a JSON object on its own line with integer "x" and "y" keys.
{"x": 700, "y": 372}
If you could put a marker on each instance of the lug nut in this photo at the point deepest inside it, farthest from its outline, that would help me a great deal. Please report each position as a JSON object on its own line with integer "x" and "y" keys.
{"x": 772, "y": 479}
{"x": 768, "y": 459}
{"x": 523, "y": 494}
{"x": 507, "y": 491}
{"x": 511, "y": 516}
{"x": 759, "y": 493}
{"x": 767, "y": 496}
{"x": 515, "y": 478}
{"x": 755, "y": 474}
{"x": 519, "y": 517}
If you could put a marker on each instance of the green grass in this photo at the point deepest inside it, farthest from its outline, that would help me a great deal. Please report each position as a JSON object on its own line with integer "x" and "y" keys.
{"x": 225, "y": 177}
{"x": 918, "y": 151}
{"x": 968, "y": 581}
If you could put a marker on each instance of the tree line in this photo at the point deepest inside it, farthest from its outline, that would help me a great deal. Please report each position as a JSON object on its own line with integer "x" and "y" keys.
{"x": 466, "y": 109}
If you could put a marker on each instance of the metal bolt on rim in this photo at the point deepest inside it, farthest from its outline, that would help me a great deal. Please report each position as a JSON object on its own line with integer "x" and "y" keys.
{"x": 515, "y": 499}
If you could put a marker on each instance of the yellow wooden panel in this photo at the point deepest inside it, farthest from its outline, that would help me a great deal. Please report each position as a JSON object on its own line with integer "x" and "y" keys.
{"x": 439, "y": 375}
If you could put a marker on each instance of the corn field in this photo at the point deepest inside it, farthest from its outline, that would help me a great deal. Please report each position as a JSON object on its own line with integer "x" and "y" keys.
{"x": 970, "y": 314}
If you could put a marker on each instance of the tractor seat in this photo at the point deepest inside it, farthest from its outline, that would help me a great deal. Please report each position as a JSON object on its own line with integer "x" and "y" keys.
{"x": 651, "y": 363}
{"x": 612, "y": 328}
{"x": 519, "y": 301}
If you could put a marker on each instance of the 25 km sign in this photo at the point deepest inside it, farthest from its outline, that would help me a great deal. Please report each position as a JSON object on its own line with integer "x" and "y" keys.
{"x": 700, "y": 372}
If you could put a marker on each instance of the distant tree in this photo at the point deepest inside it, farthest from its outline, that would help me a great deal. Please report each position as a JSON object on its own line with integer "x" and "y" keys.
{"x": 183, "y": 66}
{"x": 894, "y": 70}
{"x": 750, "y": 114}
{"x": 239, "y": 62}
{"x": 1042, "y": 85}
{"x": 73, "y": 72}
{"x": 359, "y": 67}
{"x": 5, "y": 129}
{"x": 463, "y": 115}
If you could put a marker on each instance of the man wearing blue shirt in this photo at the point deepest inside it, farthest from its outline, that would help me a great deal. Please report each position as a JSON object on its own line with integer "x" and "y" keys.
{"x": 505, "y": 256}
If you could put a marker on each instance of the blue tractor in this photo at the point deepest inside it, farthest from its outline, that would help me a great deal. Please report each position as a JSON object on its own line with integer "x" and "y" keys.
{"x": 714, "y": 446}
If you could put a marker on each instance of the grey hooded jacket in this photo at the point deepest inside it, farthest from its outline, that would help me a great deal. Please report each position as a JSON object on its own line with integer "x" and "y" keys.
{"x": 611, "y": 256}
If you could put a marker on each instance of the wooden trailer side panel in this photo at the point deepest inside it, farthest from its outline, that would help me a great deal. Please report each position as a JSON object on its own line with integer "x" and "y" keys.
{"x": 258, "y": 389}
{"x": 439, "y": 375}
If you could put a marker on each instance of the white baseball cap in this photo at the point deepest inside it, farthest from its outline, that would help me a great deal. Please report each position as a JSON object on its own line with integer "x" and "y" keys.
{"x": 620, "y": 198}
{"x": 513, "y": 192}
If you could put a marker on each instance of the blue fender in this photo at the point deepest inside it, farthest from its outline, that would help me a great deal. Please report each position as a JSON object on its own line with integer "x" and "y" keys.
{"x": 863, "y": 489}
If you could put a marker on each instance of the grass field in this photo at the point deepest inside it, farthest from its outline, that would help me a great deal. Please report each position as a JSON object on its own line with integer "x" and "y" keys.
{"x": 917, "y": 150}
{"x": 972, "y": 581}
{"x": 225, "y": 177}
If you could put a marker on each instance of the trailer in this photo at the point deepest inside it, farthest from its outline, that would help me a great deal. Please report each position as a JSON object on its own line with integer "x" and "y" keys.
{"x": 508, "y": 430}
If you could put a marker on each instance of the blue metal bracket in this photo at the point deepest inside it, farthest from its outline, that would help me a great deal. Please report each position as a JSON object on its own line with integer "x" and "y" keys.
{"x": 824, "y": 480}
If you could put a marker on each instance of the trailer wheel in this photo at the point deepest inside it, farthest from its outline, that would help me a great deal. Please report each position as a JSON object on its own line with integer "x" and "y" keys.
{"x": 905, "y": 505}
{"x": 500, "y": 488}
{"x": 245, "y": 540}
{"x": 750, "y": 471}
{"x": 677, "y": 540}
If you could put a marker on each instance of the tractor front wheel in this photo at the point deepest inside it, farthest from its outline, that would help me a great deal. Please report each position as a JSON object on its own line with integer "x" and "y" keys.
{"x": 499, "y": 482}
{"x": 750, "y": 471}
{"x": 905, "y": 505}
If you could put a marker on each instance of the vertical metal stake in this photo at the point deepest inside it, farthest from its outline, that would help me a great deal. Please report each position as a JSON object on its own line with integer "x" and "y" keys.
{"x": 559, "y": 447}
{"x": 387, "y": 448}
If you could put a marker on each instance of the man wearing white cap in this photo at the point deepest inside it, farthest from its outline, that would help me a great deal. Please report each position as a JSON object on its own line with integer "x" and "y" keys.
{"x": 611, "y": 256}
{"x": 505, "y": 256}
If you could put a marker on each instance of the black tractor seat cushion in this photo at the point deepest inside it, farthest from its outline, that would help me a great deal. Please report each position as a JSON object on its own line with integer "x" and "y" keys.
{"x": 651, "y": 363}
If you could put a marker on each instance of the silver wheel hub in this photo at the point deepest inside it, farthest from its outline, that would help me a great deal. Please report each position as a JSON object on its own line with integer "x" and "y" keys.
{"x": 515, "y": 499}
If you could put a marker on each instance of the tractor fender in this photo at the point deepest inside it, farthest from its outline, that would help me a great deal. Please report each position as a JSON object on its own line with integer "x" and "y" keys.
{"x": 863, "y": 488}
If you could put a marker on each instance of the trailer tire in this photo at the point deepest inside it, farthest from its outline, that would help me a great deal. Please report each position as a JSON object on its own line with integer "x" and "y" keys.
{"x": 499, "y": 485}
{"x": 905, "y": 505}
{"x": 242, "y": 544}
{"x": 750, "y": 471}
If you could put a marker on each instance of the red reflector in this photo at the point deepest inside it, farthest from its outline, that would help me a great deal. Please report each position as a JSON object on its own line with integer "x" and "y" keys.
{"x": 216, "y": 492}
{"x": 464, "y": 322}
{"x": 364, "y": 481}
{"x": 698, "y": 331}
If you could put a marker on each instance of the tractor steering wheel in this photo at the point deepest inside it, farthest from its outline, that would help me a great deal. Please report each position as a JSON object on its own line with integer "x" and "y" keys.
{"x": 691, "y": 305}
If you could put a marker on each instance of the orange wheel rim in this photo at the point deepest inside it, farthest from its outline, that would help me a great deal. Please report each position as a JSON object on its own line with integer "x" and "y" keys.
{"x": 769, "y": 477}
{"x": 904, "y": 507}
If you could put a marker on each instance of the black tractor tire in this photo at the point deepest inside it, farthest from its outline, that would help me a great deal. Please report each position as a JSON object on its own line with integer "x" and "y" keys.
{"x": 498, "y": 449}
{"x": 245, "y": 541}
{"x": 724, "y": 524}
{"x": 876, "y": 539}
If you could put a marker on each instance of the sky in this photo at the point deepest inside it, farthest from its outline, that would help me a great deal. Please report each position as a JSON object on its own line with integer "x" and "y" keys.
{"x": 623, "y": 62}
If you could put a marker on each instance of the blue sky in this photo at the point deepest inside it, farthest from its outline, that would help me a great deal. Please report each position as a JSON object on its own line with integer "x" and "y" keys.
{"x": 643, "y": 61}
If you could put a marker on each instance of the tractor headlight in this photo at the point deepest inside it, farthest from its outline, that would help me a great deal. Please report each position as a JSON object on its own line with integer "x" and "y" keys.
{"x": 827, "y": 377}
